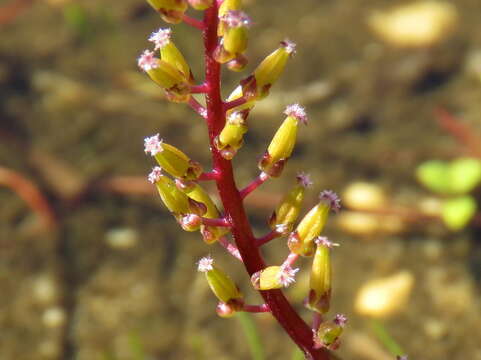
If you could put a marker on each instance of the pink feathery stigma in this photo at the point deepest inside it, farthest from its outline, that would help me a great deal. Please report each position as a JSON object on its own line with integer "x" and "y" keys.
{"x": 331, "y": 198}
{"x": 205, "y": 264}
{"x": 289, "y": 46}
{"x": 287, "y": 275}
{"x": 304, "y": 179}
{"x": 160, "y": 38}
{"x": 340, "y": 319}
{"x": 297, "y": 112}
{"x": 155, "y": 174}
{"x": 236, "y": 19}
{"x": 324, "y": 241}
{"x": 153, "y": 145}
{"x": 147, "y": 61}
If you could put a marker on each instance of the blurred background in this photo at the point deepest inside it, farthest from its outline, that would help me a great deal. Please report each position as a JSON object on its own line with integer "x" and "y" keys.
{"x": 92, "y": 266}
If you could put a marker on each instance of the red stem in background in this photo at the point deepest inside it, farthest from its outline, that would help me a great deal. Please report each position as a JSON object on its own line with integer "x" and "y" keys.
{"x": 463, "y": 133}
{"x": 10, "y": 11}
{"x": 30, "y": 193}
{"x": 280, "y": 308}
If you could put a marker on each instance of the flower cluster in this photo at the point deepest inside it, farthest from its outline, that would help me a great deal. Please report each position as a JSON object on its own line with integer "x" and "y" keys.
{"x": 177, "y": 177}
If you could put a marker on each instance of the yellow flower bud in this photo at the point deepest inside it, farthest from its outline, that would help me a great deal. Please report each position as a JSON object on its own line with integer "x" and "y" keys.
{"x": 328, "y": 333}
{"x": 288, "y": 210}
{"x": 320, "y": 280}
{"x": 170, "y": 53}
{"x": 166, "y": 75}
{"x": 283, "y": 142}
{"x": 171, "y": 159}
{"x": 274, "y": 277}
{"x": 231, "y": 136}
{"x": 174, "y": 199}
{"x": 220, "y": 283}
{"x": 171, "y": 11}
{"x": 268, "y": 72}
{"x": 301, "y": 241}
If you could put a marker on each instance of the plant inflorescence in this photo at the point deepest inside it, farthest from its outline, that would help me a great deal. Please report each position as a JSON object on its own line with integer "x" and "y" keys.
{"x": 177, "y": 177}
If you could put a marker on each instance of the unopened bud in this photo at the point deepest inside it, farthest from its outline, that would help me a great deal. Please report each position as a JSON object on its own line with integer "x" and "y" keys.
{"x": 321, "y": 274}
{"x": 171, "y": 159}
{"x": 282, "y": 144}
{"x": 301, "y": 241}
{"x": 201, "y": 4}
{"x": 274, "y": 277}
{"x": 288, "y": 210}
{"x": 220, "y": 283}
{"x": 327, "y": 336}
{"x": 231, "y": 136}
{"x": 171, "y": 11}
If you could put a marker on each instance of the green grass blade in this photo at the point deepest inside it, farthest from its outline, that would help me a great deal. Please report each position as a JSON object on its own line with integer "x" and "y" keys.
{"x": 385, "y": 338}
{"x": 250, "y": 331}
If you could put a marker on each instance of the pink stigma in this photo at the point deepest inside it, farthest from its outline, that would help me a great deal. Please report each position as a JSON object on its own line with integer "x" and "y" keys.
{"x": 297, "y": 112}
{"x": 287, "y": 275}
{"x": 153, "y": 145}
{"x": 289, "y": 46}
{"x": 324, "y": 241}
{"x": 155, "y": 174}
{"x": 340, "y": 320}
{"x": 147, "y": 61}
{"x": 304, "y": 179}
{"x": 236, "y": 19}
{"x": 205, "y": 264}
{"x": 160, "y": 38}
{"x": 331, "y": 198}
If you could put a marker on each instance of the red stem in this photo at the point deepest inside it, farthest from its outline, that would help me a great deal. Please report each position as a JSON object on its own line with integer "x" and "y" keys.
{"x": 216, "y": 222}
{"x": 273, "y": 234}
{"x": 258, "y": 181}
{"x": 256, "y": 308}
{"x": 193, "y": 22}
{"x": 281, "y": 309}
{"x": 234, "y": 103}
